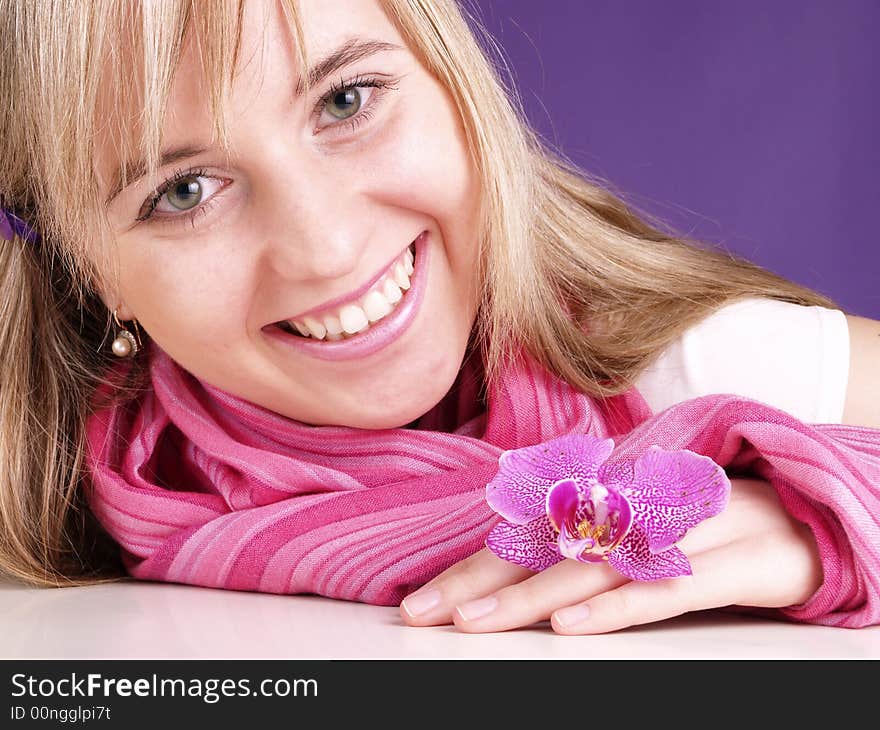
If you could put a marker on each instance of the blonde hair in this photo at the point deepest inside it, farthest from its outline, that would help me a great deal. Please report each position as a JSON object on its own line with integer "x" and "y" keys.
{"x": 591, "y": 288}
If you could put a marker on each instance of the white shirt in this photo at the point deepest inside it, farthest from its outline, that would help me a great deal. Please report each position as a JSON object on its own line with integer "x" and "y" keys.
{"x": 792, "y": 357}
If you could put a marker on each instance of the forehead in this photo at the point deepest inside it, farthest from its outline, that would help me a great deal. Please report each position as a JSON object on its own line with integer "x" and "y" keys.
{"x": 267, "y": 44}
{"x": 267, "y": 67}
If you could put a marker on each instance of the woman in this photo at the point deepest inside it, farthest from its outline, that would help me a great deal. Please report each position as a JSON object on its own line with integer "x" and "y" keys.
{"x": 258, "y": 225}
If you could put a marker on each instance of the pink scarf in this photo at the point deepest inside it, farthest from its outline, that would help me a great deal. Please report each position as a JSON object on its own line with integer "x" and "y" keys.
{"x": 200, "y": 487}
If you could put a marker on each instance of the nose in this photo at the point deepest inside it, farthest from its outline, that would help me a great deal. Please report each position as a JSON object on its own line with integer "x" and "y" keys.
{"x": 316, "y": 230}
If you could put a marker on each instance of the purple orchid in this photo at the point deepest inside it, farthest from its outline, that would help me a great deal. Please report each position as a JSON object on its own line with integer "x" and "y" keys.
{"x": 560, "y": 499}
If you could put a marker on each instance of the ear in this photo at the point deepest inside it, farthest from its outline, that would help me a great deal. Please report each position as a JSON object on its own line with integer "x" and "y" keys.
{"x": 122, "y": 311}
{"x": 113, "y": 302}
{"x": 108, "y": 291}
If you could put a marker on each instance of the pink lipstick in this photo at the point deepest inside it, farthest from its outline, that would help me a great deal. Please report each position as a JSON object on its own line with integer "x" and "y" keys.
{"x": 379, "y": 334}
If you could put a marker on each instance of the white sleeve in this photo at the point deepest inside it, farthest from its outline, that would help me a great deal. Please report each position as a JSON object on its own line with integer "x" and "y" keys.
{"x": 792, "y": 357}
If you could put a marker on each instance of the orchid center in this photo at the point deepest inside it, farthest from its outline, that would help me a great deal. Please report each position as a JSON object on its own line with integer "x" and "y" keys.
{"x": 590, "y": 522}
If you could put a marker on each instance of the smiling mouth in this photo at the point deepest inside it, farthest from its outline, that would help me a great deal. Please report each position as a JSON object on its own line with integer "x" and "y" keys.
{"x": 359, "y": 315}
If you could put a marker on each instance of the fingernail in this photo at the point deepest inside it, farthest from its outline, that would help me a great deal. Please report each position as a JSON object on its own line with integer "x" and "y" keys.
{"x": 477, "y": 609}
{"x": 421, "y": 602}
{"x": 572, "y": 615}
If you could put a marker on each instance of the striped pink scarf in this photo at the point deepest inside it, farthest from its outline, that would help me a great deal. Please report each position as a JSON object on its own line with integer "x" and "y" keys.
{"x": 200, "y": 487}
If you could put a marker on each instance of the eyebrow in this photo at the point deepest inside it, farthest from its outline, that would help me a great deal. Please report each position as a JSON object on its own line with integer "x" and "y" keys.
{"x": 351, "y": 51}
{"x": 168, "y": 157}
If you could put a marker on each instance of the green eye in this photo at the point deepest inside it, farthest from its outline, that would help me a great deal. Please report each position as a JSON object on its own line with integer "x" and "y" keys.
{"x": 185, "y": 194}
{"x": 344, "y": 103}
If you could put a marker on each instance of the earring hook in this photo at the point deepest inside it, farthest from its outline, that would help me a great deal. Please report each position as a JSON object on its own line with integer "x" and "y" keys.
{"x": 137, "y": 332}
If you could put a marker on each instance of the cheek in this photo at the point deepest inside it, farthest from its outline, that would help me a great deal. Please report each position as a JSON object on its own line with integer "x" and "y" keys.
{"x": 423, "y": 159}
{"x": 187, "y": 300}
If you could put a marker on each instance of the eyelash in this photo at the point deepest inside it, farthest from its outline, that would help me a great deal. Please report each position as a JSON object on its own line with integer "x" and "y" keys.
{"x": 170, "y": 182}
{"x": 363, "y": 114}
{"x": 358, "y": 82}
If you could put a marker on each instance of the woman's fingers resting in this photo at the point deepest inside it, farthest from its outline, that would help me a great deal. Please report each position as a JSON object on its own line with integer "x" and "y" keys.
{"x": 535, "y": 598}
{"x": 714, "y": 583}
{"x": 754, "y": 554}
{"x": 773, "y": 570}
{"x": 485, "y": 593}
{"x": 474, "y": 577}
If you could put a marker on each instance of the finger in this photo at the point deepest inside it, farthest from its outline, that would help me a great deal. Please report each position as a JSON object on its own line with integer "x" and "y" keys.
{"x": 717, "y": 580}
{"x": 534, "y": 599}
{"x": 475, "y": 576}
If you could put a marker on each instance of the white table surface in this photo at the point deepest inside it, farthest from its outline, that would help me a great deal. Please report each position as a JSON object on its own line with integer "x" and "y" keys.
{"x": 160, "y": 620}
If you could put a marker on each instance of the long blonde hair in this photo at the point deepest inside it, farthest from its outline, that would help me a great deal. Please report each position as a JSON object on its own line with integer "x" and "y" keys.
{"x": 591, "y": 288}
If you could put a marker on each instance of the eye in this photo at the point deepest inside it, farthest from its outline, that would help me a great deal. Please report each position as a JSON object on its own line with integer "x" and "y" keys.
{"x": 184, "y": 194}
{"x": 345, "y": 103}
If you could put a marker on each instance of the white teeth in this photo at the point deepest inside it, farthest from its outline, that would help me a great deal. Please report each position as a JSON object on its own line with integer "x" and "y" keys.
{"x": 315, "y": 327}
{"x": 357, "y": 317}
{"x": 333, "y": 325}
{"x": 391, "y": 291}
{"x": 376, "y": 305}
{"x": 400, "y": 276}
{"x": 353, "y": 318}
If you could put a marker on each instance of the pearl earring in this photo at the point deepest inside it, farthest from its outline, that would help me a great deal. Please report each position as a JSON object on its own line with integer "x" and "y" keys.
{"x": 125, "y": 344}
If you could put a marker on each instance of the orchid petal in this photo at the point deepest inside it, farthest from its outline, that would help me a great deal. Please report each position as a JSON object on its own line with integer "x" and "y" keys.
{"x": 532, "y": 545}
{"x": 518, "y": 491}
{"x": 618, "y": 475}
{"x": 562, "y": 503}
{"x": 635, "y": 559}
{"x": 670, "y": 492}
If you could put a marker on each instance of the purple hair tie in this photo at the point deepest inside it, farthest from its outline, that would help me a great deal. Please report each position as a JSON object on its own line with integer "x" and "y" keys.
{"x": 11, "y": 224}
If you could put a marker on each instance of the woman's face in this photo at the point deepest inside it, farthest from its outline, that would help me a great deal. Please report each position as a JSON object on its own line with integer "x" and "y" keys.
{"x": 317, "y": 200}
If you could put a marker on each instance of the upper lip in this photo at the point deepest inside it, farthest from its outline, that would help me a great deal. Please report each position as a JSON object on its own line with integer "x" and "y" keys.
{"x": 349, "y": 297}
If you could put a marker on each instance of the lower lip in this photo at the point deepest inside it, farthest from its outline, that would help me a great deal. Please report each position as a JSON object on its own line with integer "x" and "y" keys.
{"x": 380, "y": 334}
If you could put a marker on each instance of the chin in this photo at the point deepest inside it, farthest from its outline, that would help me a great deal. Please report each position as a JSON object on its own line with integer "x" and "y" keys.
{"x": 398, "y": 414}
{"x": 381, "y": 421}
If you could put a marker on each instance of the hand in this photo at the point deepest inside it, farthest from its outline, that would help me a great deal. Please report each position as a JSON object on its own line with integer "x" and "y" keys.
{"x": 752, "y": 554}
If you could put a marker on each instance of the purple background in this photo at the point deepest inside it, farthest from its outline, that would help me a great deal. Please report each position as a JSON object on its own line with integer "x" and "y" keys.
{"x": 750, "y": 125}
